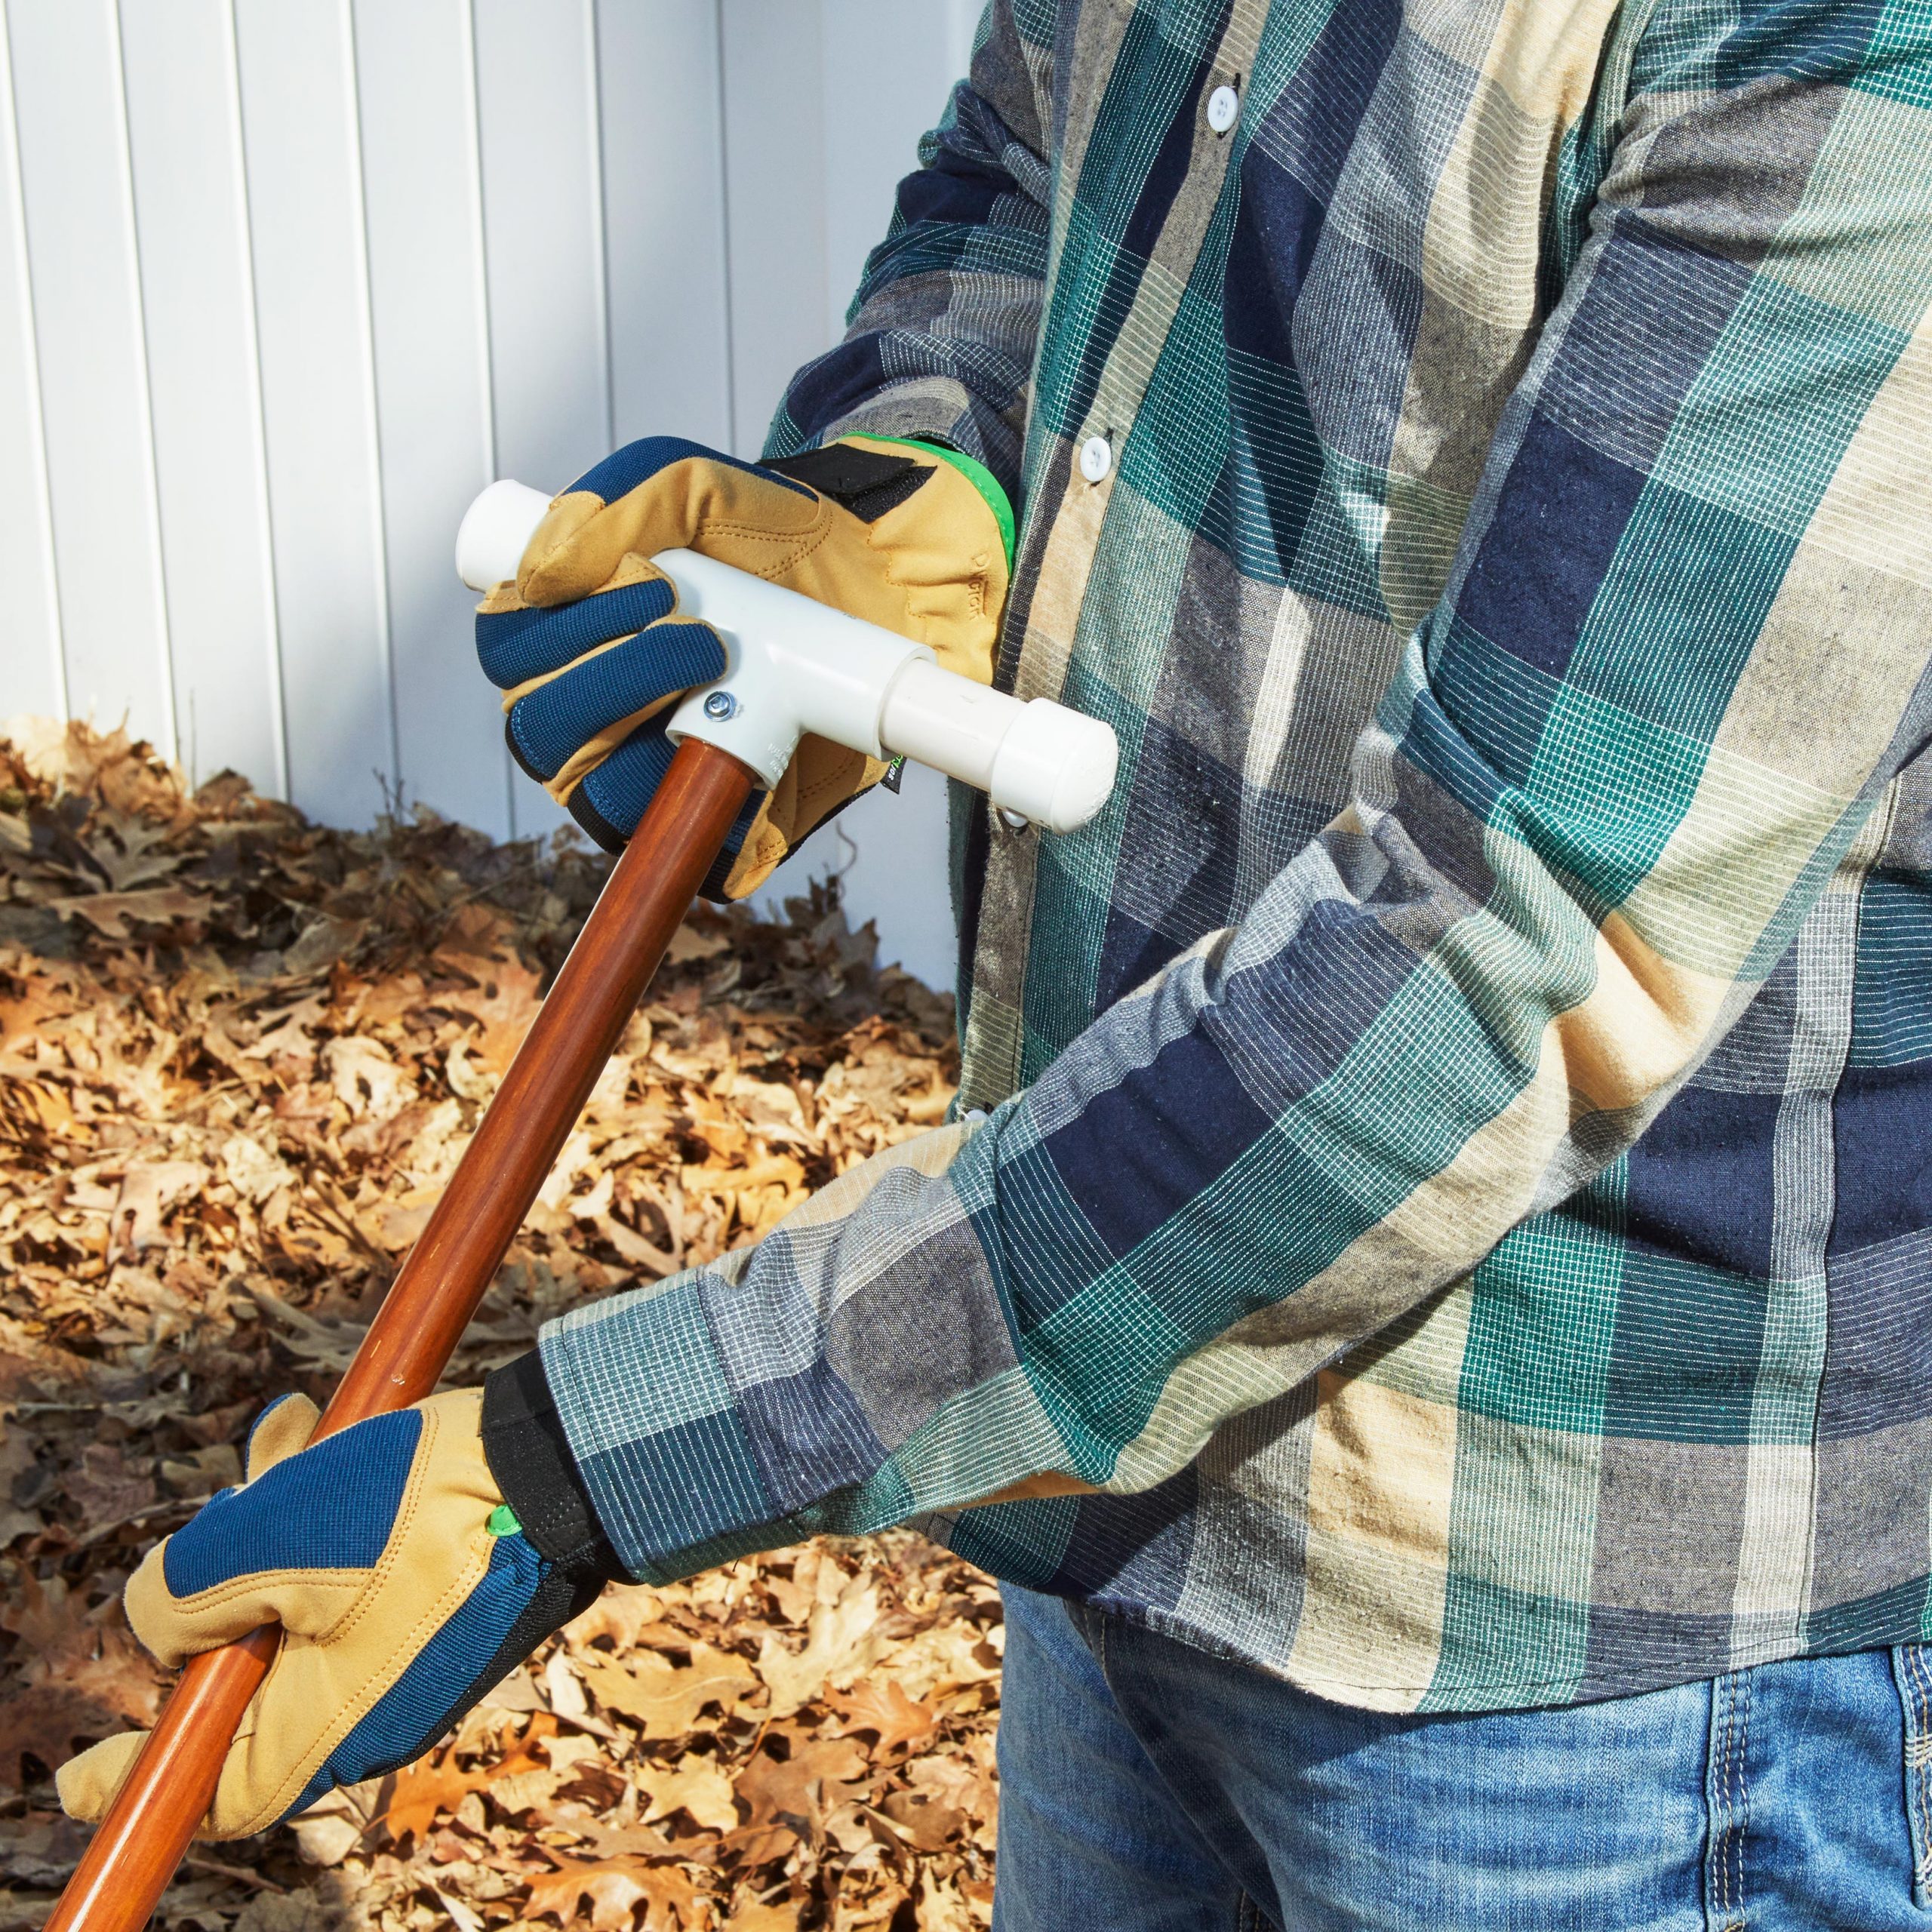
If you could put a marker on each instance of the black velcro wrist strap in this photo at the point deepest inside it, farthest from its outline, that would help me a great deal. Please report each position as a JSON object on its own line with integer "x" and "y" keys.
{"x": 866, "y": 482}
{"x": 530, "y": 1456}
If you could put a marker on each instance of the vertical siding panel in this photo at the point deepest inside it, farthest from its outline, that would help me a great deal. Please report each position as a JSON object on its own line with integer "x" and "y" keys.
{"x": 305, "y": 223}
{"x": 960, "y": 23}
{"x": 886, "y": 70}
{"x": 898, "y": 60}
{"x": 890, "y": 854}
{"x": 35, "y": 680}
{"x": 542, "y": 250}
{"x": 426, "y": 277}
{"x": 365, "y": 310}
{"x": 486, "y": 346}
{"x": 197, "y": 301}
{"x": 539, "y": 219}
{"x": 774, "y": 175}
{"x": 664, "y": 217}
{"x": 79, "y": 218}
{"x": 593, "y": 101}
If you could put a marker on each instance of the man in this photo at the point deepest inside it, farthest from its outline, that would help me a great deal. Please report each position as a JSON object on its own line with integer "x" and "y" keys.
{"x": 1425, "y": 1303}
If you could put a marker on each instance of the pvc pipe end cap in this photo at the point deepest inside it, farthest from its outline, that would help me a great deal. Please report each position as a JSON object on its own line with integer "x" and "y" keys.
{"x": 1055, "y": 767}
{"x": 1086, "y": 776}
{"x": 491, "y": 540}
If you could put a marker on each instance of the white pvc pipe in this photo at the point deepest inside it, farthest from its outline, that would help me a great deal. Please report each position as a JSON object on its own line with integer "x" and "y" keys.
{"x": 797, "y": 666}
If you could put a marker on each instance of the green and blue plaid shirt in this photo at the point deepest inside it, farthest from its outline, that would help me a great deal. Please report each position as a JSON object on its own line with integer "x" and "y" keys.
{"x": 1446, "y": 1213}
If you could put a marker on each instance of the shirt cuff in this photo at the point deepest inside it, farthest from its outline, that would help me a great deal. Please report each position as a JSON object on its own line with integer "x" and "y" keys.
{"x": 659, "y": 1442}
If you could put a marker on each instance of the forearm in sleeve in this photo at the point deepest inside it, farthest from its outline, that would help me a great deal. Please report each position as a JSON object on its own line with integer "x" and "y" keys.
{"x": 941, "y": 333}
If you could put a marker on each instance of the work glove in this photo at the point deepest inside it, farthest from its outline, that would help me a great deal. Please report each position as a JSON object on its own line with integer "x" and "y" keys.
{"x": 405, "y": 1584}
{"x": 589, "y": 649}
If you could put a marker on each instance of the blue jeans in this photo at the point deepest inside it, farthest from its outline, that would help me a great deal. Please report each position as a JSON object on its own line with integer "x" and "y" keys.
{"x": 1148, "y": 1787}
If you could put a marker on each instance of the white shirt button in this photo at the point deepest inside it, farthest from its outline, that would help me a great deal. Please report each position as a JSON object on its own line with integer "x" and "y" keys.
{"x": 1223, "y": 110}
{"x": 1096, "y": 458}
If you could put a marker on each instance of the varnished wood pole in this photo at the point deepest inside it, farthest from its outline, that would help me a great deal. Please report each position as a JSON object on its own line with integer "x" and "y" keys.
{"x": 134, "y": 1851}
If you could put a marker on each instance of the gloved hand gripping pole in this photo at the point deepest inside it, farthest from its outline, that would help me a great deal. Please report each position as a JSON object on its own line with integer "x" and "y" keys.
{"x": 139, "y": 1843}
{"x": 794, "y": 666}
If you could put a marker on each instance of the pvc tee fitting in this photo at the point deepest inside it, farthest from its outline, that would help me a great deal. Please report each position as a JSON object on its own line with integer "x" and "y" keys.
{"x": 795, "y": 666}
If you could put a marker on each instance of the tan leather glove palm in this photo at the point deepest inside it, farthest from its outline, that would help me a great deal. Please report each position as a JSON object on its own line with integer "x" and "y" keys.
{"x": 592, "y": 653}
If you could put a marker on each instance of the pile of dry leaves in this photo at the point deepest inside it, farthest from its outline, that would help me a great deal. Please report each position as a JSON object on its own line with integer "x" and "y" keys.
{"x": 239, "y": 1056}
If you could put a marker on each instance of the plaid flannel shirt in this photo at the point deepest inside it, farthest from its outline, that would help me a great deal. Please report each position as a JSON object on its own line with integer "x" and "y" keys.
{"x": 1451, "y": 1223}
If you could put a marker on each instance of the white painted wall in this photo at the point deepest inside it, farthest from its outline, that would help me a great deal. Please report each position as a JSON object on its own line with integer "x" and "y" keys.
{"x": 283, "y": 282}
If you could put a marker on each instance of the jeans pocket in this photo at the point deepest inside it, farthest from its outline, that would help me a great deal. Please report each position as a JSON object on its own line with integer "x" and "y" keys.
{"x": 1912, "y": 1670}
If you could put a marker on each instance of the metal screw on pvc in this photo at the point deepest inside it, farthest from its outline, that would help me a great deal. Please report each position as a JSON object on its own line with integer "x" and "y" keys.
{"x": 721, "y": 705}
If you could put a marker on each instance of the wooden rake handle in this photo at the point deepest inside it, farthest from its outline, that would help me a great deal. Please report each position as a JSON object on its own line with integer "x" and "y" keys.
{"x": 133, "y": 1853}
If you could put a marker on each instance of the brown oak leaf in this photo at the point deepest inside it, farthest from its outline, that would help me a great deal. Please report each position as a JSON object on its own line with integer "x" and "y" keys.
{"x": 882, "y": 1707}
{"x": 92, "y": 1658}
{"x": 666, "y": 1698}
{"x": 438, "y": 1784}
{"x": 109, "y": 912}
{"x": 843, "y": 1639}
{"x": 925, "y": 1827}
{"x": 696, "y": 1786}
{"x": 50, "y": 1722}
{"x": 627, "y": 1613}
{"x": 956, "y": 1781}
{"x": 753, "y": 1917}
{"x": 105, "y": 1490}
{"x": 506, "y": 1004}
{"x": 795, "y": 1793}
{"x": 524, "y": 1786}
{"x": 424, "y": 1790}
{"x": 943, "y": 1906}
{"x": 615, "y": 1887}
{"x": 149, "y": 1189}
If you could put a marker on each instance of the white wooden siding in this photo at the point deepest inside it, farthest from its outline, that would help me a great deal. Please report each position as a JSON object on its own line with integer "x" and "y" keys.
{"x": 283, "y": 282}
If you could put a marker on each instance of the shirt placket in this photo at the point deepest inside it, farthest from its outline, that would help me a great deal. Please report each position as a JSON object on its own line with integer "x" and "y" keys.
{"x": 1087, "y": 473}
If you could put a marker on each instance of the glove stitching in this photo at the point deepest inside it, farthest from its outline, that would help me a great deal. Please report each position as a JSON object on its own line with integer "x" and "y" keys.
{"x": 379, "y": 1572}
{"x": 974, "y": 585}
{"x": 506, "y": 600}
{"x": 361, "y": 1702}
{"x": 809, "y": 541}
{"x": 567, "y": 537}
{"x": 808, "y": 796}
{"x": 406, "y": 1510}
{"x": 259, "y": 1583}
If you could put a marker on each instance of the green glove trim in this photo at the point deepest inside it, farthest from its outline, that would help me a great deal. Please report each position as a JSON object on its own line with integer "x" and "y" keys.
{"x": 975, "y": 472}
{"x": 503, "y": 1521}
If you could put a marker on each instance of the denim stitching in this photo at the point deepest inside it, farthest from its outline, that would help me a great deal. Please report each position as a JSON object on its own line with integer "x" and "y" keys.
{"x": 1915, "y": 1684}
{"x": 1914, "y": 1761}
{"x": 1741, "y": 1829}
{"x": 1720, "y": 1815}
{"x": 1917, "y": 1747}
{"x": 1729, "y": 1804}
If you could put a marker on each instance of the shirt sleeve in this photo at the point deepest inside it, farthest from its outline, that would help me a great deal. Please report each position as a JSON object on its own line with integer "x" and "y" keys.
{"x": 1681, "y": 659}
{"x": 940, "y": 337}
